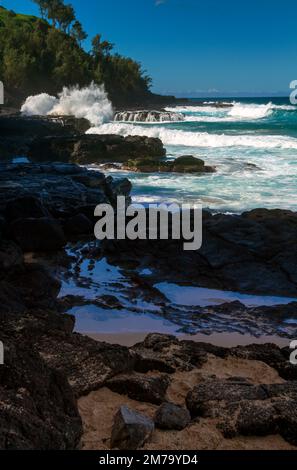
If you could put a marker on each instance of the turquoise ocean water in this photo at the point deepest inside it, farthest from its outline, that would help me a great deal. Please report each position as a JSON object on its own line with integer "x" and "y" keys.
{"x": 252, "y": 143}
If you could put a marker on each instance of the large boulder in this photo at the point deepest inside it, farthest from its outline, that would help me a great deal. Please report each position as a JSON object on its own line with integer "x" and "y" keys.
{"x": 141, "y": 387}
{"x": 242, "y": 408}
{"x": 185, "y": 164}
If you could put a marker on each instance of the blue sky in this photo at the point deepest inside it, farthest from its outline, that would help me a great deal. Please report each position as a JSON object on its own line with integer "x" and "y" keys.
{"x": 195, "y": 47}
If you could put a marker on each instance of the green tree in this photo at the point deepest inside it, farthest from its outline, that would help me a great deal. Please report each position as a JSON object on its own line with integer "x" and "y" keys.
{"x": 65, "y": 15}
{"x": 43, "y": 7}
{"x": 78, "y": 33}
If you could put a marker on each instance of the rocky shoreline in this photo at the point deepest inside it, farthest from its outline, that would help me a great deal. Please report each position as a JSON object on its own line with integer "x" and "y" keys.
{"x": 58, "y": 387}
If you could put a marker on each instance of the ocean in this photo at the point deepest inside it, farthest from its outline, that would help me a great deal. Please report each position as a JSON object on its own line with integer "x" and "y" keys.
{"x": 252, "y": 142}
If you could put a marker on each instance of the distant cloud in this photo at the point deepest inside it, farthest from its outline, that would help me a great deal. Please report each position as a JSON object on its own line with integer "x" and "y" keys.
{"x": 159, "y": 2}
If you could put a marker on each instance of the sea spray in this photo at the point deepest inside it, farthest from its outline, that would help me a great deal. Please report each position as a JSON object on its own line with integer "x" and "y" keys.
{"x": 90, "y": 103}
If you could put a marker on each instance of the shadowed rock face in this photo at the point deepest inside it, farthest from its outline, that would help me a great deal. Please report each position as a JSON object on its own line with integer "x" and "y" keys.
{"x": 18, "y": 132}
{"x": 92, "y": 148}
{"x": 43, "y": 205}
{"x": 37, "y": 406}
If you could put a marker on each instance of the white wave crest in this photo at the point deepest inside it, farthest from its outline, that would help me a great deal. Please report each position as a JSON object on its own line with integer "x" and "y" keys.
{"x": 197, "y": 139}
{"x": 196, "y": 109}
{"x": 90, "y": 103}
{"x": 239, "y": 111}
{"x": 251, "y": 111}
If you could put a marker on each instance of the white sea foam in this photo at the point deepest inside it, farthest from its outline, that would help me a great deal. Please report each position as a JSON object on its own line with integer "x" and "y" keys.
{"x": 236, "y": 112}
{"x": 195, "y": 109}
{"x": 90, "y": 102}
{"x": 197, "y": 139}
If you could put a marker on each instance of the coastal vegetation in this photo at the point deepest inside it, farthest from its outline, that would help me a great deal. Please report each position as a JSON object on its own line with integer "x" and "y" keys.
{"x": 45, "y": 54}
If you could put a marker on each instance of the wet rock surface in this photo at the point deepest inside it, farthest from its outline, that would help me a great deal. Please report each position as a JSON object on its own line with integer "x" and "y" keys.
{"x": 185, "y": 164}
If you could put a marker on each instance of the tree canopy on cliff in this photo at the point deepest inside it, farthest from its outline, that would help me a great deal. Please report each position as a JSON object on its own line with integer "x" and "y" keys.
{"x": 45, "y": 54}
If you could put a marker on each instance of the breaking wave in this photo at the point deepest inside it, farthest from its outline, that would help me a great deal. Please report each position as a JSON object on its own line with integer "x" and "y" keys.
{"x": 197, "y": 139}
{"x": 90, "y": 103}
{"x": 229, "y": 111}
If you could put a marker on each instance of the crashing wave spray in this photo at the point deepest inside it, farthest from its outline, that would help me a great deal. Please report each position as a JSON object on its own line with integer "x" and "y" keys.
{"x": 90, "y": 103}
{"x": 148, "y": 116}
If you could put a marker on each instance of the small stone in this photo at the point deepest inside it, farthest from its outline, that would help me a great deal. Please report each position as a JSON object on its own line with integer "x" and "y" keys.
{"x": 130, "y": 429}
{"x": 172, "y": 417}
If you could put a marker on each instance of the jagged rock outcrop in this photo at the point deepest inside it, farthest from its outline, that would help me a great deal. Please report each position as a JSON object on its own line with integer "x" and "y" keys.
{"x": 18, "y": 132}
{"x": 92, "y": 148}
{"x": 184, "y": 164}
{"x": 43, "y": 205}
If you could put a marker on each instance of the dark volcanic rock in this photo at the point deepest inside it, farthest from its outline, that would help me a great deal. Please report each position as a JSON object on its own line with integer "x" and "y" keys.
{"x": 44, "y": 234}
{"x": 208, "y": 396}
{"x": 242, "y": 408}
{"x": 141, "y": 387}
{"x": 78, "y": 225}
{"x": 88, "y": 364}
{"x": 18, "y": 132}
{"x": 38, "y": 201}
{"x": 185, "y": 164}
{"x": 37, "y": 407}
{"x": 172, "y": 417}
{"x": 25, "y": 207}
{"x": 130, "y": 429}
{"x": 92, "y": 148}
{"x": 238, "y": 253}
{"x": 166, "y": 354}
